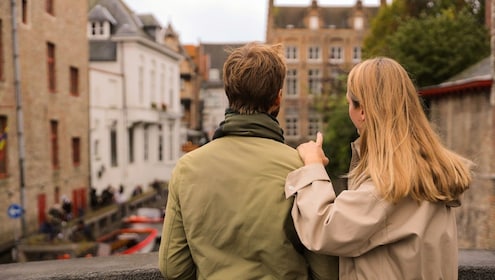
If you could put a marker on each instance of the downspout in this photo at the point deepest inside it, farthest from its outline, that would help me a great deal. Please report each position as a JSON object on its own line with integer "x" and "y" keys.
{"x": 126, "y": 158}
{"x": 20, "y": 122}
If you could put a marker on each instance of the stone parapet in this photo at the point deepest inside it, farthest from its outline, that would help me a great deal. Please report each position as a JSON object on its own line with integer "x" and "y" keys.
{"x": 473, "y": 264}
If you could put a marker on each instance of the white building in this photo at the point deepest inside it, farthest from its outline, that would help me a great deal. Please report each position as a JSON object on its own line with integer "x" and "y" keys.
{"x": 135, "y": 112}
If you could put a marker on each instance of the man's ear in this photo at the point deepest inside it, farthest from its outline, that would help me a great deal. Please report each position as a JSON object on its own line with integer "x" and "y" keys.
{"x": 279, "y": 98}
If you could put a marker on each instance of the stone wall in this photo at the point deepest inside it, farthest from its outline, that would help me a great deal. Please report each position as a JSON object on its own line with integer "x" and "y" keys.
{"x": 472, "y": 265}
{"x": 464, "y": 121}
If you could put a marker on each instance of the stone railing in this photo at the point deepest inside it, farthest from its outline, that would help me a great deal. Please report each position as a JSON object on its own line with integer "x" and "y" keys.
{"x": 473, "y": 264}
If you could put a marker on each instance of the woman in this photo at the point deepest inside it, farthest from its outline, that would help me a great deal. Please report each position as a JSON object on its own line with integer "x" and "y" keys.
{"x": 396, "y": 220}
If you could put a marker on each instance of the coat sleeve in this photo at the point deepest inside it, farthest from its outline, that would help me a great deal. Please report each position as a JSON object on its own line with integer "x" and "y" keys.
{"x": 322, "y": 267}
{"x": 175, "y": 260}
{"x": 348, "y": 226}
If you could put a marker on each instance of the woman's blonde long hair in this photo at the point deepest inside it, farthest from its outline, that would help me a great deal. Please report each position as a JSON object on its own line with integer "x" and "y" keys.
{"x": 400, "y": 152}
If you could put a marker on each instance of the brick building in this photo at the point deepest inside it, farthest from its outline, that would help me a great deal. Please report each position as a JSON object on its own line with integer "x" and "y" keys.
{"x": 321, "y": 42}
{"x": 48, "y": 68}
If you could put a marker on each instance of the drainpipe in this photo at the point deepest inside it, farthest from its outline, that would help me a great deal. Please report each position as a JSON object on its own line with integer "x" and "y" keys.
{"x": 20, "y": 122}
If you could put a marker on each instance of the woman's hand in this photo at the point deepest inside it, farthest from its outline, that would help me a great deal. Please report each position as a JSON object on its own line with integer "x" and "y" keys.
{"x": 312, "y": 152}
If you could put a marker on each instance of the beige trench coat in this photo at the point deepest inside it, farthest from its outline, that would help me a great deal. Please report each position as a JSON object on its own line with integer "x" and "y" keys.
{"x": 374, "y": 239}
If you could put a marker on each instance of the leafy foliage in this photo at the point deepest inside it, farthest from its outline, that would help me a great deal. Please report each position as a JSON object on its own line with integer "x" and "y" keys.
{"x": 338, "y": 136}
{"x": 435, "y": 48}
{"x": 433, "y": 40}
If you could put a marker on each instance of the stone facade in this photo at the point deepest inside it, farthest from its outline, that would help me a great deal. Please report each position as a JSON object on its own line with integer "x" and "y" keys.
{"x": 37, "y": 27}
{"x": 320, "y": 42}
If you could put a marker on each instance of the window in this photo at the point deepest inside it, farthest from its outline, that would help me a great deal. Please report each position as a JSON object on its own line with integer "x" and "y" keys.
{"x": 336, "y": 55}
{"x": 131, "y": 144}
{"x": 314, "y": 53}
{"x": 56, "y": 195}
{"x": 3, "y": 146}
{"x": 291, "y": 126}
{"x": 141, "y": 84}
{"x": 146, "y": 142}
{"x": 291, "y": 53}
{"x": 314, "y": 81}
{"x": 74, "y": 81}
{"x": 113, "y": 146}
{"x": 24, "y": 11}
{"x": 2, "y": 61}
{"x": 358, "y": 23}
{"x": 97, "y": 28}
{"x": 54, "y": 140}
{"x": 51, "y": 67}
{"x": 313, "y": 124}
{"x": 356, "y": 54}
{"x": 160, "y": 143}
{"x": 171, "y": 142}
{"x": 152, "y": 83}
{"x": 96, "y": 151}
{"x": 49, "y": 7}
{"x": 76, "y": 151}
{"x": 314, "y": 22}
{"x": 291, "y": 82}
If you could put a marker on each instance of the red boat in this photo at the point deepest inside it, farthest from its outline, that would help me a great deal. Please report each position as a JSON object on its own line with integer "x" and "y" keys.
{"x": 127, "y": 241}
{"x": 146, "y": 218}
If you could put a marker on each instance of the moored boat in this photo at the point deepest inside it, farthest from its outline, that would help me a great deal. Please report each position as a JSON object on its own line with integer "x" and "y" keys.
{"x": 146, "y": 218}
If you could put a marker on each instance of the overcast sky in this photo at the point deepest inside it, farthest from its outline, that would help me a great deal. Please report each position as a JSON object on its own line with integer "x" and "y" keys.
{"x": 220, "y": 21}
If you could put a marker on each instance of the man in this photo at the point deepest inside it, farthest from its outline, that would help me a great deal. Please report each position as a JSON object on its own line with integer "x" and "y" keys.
{"x": 226, "y": 215}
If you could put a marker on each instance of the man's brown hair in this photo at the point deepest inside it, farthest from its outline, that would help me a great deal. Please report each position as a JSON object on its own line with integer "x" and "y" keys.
{"x": 253, "y": 75}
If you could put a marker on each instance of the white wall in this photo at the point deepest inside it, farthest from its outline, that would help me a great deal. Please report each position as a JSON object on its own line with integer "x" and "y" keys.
{"x": 122, "y": 97}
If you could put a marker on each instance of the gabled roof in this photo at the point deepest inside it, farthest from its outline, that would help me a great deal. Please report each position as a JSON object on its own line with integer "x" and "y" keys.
{"x": 332, "y": 16}
{"x": 100, "y": 14}
{"x": 126, "y": 22}
{"x": 149, "y": 20}
{"x": 478, "y": 75}
{"x": 217, "y": 54}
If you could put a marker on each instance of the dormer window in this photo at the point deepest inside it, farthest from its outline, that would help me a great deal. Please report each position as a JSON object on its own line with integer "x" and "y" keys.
{"x": 98, "y": 30}
{"x": 314, "y": 23}
{"x": 358, "y": 23}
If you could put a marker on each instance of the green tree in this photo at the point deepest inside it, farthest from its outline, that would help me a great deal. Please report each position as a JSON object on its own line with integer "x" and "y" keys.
{"x": 339, "y": 132}
{"x": 432, "y": 39}
{"x": 435, "y": 48}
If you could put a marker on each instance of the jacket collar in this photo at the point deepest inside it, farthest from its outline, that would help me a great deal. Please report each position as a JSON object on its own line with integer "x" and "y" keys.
{"x": 255, "y": 125}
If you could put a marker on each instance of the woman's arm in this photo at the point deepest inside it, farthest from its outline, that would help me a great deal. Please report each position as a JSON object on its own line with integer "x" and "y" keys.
{"x": 349, "y": 225}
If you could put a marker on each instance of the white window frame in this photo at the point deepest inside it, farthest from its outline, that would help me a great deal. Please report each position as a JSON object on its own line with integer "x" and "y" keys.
{"x": 336, "y": 54}
{"x": 314, "y": 82}
{"x": 291, "y": 126}
{"x": 314, "y": 53}
{"x": 291, "y": 84}
{"x": 314, "y": 124}
{"x": 291, "y": 53}
{"x": 356, "y": 54}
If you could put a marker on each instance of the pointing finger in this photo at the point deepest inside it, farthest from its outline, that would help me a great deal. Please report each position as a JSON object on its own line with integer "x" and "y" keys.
{"x": 319, "y": 139}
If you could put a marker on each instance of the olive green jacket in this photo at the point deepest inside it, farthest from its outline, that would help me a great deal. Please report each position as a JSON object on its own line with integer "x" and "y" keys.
{"x": 227, "y": 216}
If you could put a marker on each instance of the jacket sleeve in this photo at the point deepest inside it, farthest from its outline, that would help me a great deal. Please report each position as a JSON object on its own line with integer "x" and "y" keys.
{"x": 175, "y": 261}
{"x": 322, "y": 267}
{"x": 349, "y": 225}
